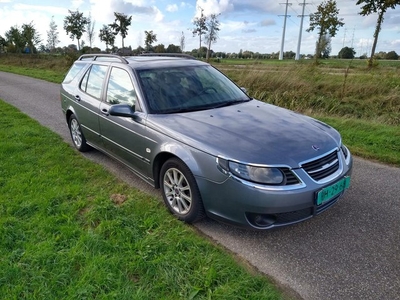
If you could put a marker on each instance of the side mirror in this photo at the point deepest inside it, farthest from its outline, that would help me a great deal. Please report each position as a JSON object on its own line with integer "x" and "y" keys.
{"x": 122, "y": 110}
{"x": 243, "y": 89}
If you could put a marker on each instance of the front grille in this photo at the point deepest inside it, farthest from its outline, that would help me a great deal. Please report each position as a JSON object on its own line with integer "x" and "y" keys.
{"x": 322, "y": 167}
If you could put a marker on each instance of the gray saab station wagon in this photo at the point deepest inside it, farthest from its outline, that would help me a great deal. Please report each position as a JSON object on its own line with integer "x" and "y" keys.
{"x": 184, "y": 127}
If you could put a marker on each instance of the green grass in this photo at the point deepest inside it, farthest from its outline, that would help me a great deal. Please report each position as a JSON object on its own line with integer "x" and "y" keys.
{"x": 369, "y": 140}
{"x": 347, "y": 92}
{"x": 48, "y": 75}
{"x": 71, "y": 230}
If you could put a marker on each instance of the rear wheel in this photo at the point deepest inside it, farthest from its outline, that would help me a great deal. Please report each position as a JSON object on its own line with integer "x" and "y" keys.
{"x": 76, "y": 134}
{"x": 180, "y": 191}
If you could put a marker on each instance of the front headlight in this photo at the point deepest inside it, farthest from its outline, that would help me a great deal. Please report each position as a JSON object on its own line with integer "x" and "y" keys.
{"x": 256, "y": 174}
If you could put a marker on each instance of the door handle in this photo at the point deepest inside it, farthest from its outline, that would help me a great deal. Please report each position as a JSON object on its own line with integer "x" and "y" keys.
{"x": 77, "y": 98}
{"x": 104, "y": 111}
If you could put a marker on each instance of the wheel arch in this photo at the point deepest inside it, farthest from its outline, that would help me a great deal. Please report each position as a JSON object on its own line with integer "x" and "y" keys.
{"x": 68, "y": 113}
{"x": 167, "y": 152}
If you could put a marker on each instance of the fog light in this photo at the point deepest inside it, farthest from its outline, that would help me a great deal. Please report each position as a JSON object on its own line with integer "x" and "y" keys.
{"x": 261, "y": 220}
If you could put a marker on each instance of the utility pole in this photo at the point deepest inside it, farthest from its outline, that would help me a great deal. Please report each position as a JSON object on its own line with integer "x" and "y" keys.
{"x": 352, "y": 37}
{"x": 284, "y": 29}
{"x": 301, "y": 30}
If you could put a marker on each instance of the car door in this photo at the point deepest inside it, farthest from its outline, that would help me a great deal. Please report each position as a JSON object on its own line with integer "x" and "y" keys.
{"x": 125, "y": 137}
{"x": 88, "y": 99}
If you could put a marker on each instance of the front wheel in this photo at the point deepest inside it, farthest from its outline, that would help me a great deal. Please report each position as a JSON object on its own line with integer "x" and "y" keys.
{"x": 76, "y": 134}
{"x": 180, "y": 192}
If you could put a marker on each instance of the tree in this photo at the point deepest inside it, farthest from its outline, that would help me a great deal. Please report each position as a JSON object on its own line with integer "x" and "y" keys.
{"x": 149, "y": 39}
{"x": 3, "y": 44}
{"x": 200, "y": 27}
{"x": 71, "y": 48}
{"x": 75, "y": 25}
{"x": 120, "y": 25}
{"x": 106, "y": 35}
{"x": 139, "y": 50}
{"x": 380, "y": 7}
{"x": 90, "y": 30}
{"x": 30, "y": 36}
{"x": 326, "y": 21}
{"x": 182, "y": 42}
{"x": 160, "y": 49}
{"x": 347, "y": 53}
{"x": 15, "y": 40}
{"x": 212, "y": 33}
{"x": 392, "y": 55}
{"x": 289, "y": 54}
{"x": 325, "y": 46}
{"x": 173, "y": 49}
{"x": 52, "y": 36}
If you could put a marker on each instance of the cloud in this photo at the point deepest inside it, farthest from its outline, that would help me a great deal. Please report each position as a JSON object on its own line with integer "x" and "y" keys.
{"x": 267, "y": 22}
{"x": 172, "y": 8}
{"x": 138, "y": 9}
{"x": 76, "y": 4}
{"x": 258, "y": 6}
{"x": 249, "y": 30}
{"x": 213, "y": 6}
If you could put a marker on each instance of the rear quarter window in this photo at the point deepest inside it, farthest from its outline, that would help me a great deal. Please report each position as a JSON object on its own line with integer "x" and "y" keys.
{"x": 92, "y": 82}
{"x": 73, "y": 71}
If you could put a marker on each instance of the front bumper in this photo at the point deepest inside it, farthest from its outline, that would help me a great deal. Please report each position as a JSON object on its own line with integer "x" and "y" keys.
{"x": 233, "y": 202}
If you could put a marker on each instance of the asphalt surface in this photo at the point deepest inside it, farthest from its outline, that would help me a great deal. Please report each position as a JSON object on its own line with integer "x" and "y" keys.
{"x": 351, "y": 251}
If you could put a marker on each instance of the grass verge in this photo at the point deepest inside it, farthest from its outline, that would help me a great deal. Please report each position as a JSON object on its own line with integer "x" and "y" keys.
{"x": 45, "y": 74}
{"x": 369, "y": 140}
{"x": 70, "y": 230}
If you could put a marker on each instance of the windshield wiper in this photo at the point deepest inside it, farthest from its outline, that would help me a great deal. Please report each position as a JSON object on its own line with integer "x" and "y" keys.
{"x": 229, "y": 103}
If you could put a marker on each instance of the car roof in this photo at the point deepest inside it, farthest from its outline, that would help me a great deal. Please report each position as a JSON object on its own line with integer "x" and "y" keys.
{"x": 145, "y": 61}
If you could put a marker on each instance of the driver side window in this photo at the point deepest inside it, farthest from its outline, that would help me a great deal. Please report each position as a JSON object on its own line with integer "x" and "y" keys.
{"x": 120, "y": 88}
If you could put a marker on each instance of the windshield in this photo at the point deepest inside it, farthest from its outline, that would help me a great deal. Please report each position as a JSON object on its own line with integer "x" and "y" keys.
{"x": 191, "y": 88}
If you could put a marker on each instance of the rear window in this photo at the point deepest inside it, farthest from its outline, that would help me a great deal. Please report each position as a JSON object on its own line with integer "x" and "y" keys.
{"x": 75, "y": 69}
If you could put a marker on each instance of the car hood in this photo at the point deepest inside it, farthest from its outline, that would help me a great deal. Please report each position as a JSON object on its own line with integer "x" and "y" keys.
{"x": 252, "y": 132}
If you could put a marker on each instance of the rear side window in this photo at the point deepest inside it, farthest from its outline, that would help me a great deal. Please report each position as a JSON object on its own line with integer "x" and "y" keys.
{"x": 73, "y": 71}
{"x": 92, "y": 82}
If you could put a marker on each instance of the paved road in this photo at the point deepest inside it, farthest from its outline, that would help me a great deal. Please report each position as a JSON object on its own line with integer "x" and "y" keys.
{"x": 352, "y": 251}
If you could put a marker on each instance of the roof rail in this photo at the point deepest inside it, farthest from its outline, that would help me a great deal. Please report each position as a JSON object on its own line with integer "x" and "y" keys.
{"x": 182, "y": 55}
{"x": 101, "y": 55}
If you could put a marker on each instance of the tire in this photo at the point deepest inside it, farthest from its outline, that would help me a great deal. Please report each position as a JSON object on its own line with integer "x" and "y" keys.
{"x": 77, "y": 136}
{"x": 180, "y": 191}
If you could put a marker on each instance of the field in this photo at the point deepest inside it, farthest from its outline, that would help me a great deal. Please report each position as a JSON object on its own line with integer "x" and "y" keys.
{"x": 364, "y": 104}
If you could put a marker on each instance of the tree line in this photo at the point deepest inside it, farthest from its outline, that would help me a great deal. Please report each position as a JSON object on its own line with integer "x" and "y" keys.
{"x": 27, "y": 38}
{"x": 325, "y": 21}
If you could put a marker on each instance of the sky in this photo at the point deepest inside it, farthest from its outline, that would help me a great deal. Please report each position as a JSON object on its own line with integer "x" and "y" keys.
{"x": 252, "y": 25}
